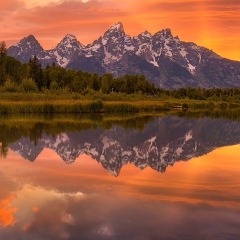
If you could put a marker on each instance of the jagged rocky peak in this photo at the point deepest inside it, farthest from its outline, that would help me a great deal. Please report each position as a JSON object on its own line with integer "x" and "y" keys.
{"x": 115, "y": 31}
{"x": 117, "y": 27}
{"x": 29, "y": 42}
{"x": 143, "y": 38}
{"x": 115, "y": 42}
{"x": 177, "y": 38}
{"x": 30, "y": 38}
{"x": 70, "y": 36}
{"x": 69, "y": 42}
{"x": 26, "y": 49}
{"x": 145, "y": 34}
{"x": 66, "y": 49}
{"x": 164, "y": 34}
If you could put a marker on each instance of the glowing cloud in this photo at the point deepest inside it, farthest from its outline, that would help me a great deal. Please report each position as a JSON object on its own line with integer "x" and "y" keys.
{"x": 6, "y": 212}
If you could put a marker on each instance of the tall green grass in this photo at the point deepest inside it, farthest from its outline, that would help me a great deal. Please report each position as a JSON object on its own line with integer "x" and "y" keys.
{"x": 19, "y": 103}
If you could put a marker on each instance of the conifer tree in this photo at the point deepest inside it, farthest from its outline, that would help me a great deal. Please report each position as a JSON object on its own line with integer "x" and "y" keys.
{"x": 3, "y": 54}
{"x": 3, "y": 49}
{"x": 36, "y": 72}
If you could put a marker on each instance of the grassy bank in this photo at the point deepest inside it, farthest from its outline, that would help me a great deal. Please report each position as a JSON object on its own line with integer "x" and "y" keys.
{"x": 12, "y": 103}
{"x": 79, "y": 106}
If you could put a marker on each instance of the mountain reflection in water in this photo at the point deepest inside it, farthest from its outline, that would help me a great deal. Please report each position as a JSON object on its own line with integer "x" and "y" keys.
{"x": 161, "y": 143}
{"x": 49, "y": 199}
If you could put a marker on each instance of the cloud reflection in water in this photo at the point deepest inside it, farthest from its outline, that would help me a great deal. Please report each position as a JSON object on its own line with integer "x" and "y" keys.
{"x": 137, "y": 205}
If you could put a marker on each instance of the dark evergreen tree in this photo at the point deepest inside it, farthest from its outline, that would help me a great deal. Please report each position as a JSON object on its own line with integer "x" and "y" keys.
{"x": 3, "y": 50}
{"x": 36, "y": 72}
{"x": 3, "y": 54}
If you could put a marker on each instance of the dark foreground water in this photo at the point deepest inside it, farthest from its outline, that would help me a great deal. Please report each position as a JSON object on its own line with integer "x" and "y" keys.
{"x": 141, "y": 178}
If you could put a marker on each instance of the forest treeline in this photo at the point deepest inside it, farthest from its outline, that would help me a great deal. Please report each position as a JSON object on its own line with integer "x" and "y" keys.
{"x": 32, "y": 77}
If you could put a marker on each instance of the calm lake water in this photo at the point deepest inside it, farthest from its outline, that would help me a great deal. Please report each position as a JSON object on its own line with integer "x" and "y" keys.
{"x": 119, "y": 178}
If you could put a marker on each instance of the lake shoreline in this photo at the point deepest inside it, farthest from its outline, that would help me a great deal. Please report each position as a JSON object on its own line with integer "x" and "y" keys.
{"x": 19, "y": 103}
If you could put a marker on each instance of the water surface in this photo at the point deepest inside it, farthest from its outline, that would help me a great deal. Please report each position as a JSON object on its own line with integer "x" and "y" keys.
{"x": 152, "y": 178}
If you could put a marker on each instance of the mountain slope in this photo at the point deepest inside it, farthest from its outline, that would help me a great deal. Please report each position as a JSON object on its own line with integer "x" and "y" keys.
{"x": 164, "y": 59}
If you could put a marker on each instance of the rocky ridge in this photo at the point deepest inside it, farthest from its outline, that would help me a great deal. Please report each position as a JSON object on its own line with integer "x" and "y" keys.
{"x": 162, "y": 58}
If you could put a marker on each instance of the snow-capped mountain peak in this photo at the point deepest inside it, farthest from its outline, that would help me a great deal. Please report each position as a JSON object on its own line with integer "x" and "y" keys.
{"x": 70, "y": 41}
{"x": 165, "y": 34}
{"x": 70, "y": 36}
{"x": 146, "y": 34}
{"x": 27, "y": 48}
{"x": 114, "y": 43}
{"x": 28, "y": 43}
{"x": 116, "y": 31}
{"x": 68, "y": 47}
{"x": 164, "y": 59}
{"x": 117, "y": 27}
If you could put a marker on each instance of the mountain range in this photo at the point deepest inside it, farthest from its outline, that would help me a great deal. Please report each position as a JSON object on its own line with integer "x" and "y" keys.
{"x": 164, "y": 59}
{"x": 160, "y": 144}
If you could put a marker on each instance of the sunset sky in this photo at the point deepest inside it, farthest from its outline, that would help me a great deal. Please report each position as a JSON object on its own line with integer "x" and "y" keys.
{"x": 214, "y": 24}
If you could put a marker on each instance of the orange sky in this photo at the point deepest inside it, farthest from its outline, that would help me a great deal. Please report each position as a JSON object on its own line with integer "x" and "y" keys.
{"x": 214, "y": 24}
